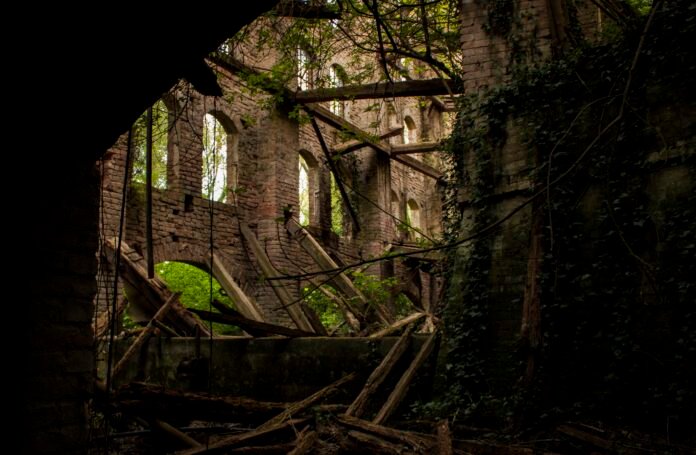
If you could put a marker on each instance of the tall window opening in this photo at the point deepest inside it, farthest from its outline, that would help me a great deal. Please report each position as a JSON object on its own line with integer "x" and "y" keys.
{"x": 302, "y": 69}
{"x": 409, "y": 132}
{"x": 303, "y": 191}
{"x": 214, "y": 182}
{"x": 413, "y": 219}
{"x": 160, "y": 144}
{"x": 336, "y": 208}
{"x": 337, "y": 77}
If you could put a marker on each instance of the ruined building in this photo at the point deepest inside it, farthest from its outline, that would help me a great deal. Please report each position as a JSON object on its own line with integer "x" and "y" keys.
{"x": 77, "y": 209}
{"x": 242, "y": 179}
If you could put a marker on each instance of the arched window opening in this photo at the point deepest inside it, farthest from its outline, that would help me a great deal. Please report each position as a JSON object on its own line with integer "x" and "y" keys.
{"x": 160, "y": 146}
{"x": 303, "y": 191}
{"x": 409, "y": 132}
{"x": 194, "y": 283}
{"x": 396, "y": 213}
{"x": 214, "y": 182}
{"x": 336, "y": 208}
{"x": 413, "y": 219}
{"x": 337, "y": 78}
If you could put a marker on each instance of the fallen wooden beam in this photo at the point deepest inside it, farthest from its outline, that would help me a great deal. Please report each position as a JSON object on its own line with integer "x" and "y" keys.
{"x": 339, "y": 281}
{"x": 246, "y": 305}
{"x": 415, "y": 442}
{"x": 380, "y": 373}
{"x": 367, "y": 443}
{"x": 102, "y": 324}
{"x": 224, "y": 445}
{"x": 151, "y": 401}
{"x": 255, "y": 328}
{"x": 144, "y": 335}
{"x": 397, "y": 325}
{"x": 304, "y": 442}
{"x": 399, "y": 391}
{"x": 300, "y": 406}
{"x": 292, "y": 307}
{"x": 396, "y": 89}
{"x": 152, "y": 293}
{"x": 444, "y": 438}
{"x": 176, "y": 434}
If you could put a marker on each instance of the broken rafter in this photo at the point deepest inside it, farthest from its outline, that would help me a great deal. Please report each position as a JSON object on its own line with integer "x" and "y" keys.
{"x": 292, "y": 306}
{"x": 300, "y": 406}
{"x": 351, "y": 146}
{"x": 418, "y": 87}
{"x": 397, "y": 325}
{"x": 399, "y": 391}
{"x": 335, "y": 121}
{"x": 144, "y": 335}
{"x": 247, "y": 306}
{"x": 340, "y": 281}
{"x": 380, "y": 373}
{"x": 255, "y": 328}
{"x": 422, "y": 147}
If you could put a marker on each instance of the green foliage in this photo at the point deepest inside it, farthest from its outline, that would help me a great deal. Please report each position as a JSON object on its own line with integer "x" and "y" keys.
{"x": 336, "y": 208}
{"x": 195, "y": 286}
{"x": 214, "y": 157}
{"x": 377, "y": 292}
{"x": 160, "y": 133}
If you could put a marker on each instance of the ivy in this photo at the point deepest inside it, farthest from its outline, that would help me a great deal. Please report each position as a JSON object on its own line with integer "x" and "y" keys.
{"x": 617, "y": 276}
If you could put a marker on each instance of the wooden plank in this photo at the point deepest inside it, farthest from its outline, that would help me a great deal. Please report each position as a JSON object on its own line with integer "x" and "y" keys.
{"x": 293, "y": 309}
{"x": 353, "y": 320}
{"x": 380, "y": 373}
{"x": 152, "y": 293}
{"x": 396, "y": 89}
{"x": 444, "y": 438}
{"x": 399, "y": 391}
{"x": 175, "y": 433}
{"x": 419, "y": 147}
{"x": 340, "y": 281}
{"x": 102, "y": 324}
{"x": 255, "y": 328}
{"x": 367, "y": 443}
{"x": 144, "y": 335}
{"x": 246, "y": 305}
{"x": 397, "y": 325}
{"x": 304, "y": 442}
{"x": 300, "y": 406}
{"x": 415, "y": 441}
{"x": 225, "y": 444}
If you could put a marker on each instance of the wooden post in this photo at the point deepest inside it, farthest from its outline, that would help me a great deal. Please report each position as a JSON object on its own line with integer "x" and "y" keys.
{"x": 399, "y": 391}
{"x": 246, "y": 305}
{"x": 380, "y": 373}
{"x": 148, "y": 195}
{"x": 144, "y": 334}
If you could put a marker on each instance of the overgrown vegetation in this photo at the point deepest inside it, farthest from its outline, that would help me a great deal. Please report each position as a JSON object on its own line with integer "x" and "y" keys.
{"x": 617, "y": 273}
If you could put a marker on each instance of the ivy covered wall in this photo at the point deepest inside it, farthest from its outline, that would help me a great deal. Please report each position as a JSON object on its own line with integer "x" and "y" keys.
{"x": 574, "y": 183}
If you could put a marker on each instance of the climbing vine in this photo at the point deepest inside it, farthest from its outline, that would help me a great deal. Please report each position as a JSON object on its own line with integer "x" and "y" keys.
{"x": 616, "y": 280}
